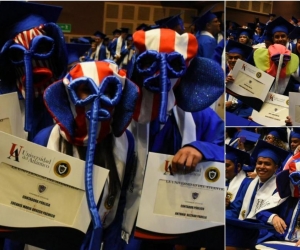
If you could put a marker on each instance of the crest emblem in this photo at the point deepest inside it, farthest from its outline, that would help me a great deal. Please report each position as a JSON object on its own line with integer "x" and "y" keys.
{"x": 62, "y": 168}
{"x": 229, "y": 195}
{"x": 243, "y": 213}
{"x": 212, "y": 174}
{"x": 195, "y": 195}
{"x": 42, "y": 188}
{"x": 258, "y": 75}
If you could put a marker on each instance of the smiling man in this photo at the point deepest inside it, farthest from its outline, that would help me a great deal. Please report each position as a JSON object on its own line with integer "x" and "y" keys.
{"x": 251, "y": 203}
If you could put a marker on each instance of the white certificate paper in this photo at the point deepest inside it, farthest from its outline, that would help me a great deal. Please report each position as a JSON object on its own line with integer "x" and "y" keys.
{"x": 251, "y": 85}
{"x": 294, "y": 108}
{"x": 43, "y": 191}
{"x": 180, "y": 204}
{"x": 274, "y": 110}
{"x": 11, "y": 117}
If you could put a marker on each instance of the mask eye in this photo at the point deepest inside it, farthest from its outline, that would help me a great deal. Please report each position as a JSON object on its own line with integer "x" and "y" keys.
{"x": 42, "y": 46}
{"x": 295, "y": 178}
{"x": 16, "y": 54}
{"x": 147, "y": 63}
{"x": 176, "y": 65}
{"x": 83, "y": 91}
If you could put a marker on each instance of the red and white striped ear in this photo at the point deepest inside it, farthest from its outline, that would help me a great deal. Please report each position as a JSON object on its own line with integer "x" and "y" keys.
{"x": 167, "y": 41}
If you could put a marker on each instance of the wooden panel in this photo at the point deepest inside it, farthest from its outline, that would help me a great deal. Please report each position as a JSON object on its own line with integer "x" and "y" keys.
{"x": 112, "y": 11}
{"x": 128, "y": 12}
{"x": 144, "y": 13}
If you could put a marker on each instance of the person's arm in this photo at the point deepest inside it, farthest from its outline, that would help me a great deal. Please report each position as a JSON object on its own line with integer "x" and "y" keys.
{"x": 208, "y": 146}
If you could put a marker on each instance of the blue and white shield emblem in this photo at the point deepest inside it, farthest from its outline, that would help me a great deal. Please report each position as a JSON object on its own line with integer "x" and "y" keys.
{"x": 212, "y": 174}
{"x": 195, "y": 195}
{"x": 42, "y": 188}
{"x": 62, "y": 168}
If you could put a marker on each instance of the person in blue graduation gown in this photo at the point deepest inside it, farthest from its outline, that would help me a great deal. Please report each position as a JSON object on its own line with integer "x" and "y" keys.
{"x": 33, "y": 55}
{"x": 236, "y": 177}
{"x": 285, "y": 220}
{"x": 98, "y": 137}
{"x": 249, "y": 204}
{"x": 208, "y": 26}
{"x": 190, "y": 136}
{"x": 235, "y": 51}
{"x": 127, "y": 52}
{"x": 117, "y": 45}
{"x": 100, "y": 53}
{"x": 280, "y": 29}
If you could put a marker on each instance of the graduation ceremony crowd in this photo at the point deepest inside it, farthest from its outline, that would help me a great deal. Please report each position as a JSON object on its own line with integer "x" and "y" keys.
{"x": 109, "y": 103}
{"x": 260, "y": 44}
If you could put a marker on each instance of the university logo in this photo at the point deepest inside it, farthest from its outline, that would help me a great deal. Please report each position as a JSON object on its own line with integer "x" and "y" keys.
{"x": 62, "y": 168}
{"x": 195, "y": 195}
{"x": 212, "y": 174}
{"x": 229, "y": 195}
{"x": 42, "y": 188}
{"x": 243, "y": 214}
{"x": 168, "y": 168}
{"x": 258, "y": 75}
{"x": 15, "y": 151}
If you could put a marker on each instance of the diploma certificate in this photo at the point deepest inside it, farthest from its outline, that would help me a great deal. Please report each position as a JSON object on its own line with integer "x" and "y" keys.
{"x": 274, "y": 110}
{"x": 178, "y": 204}
{"x": 251, "y": 85}
{"x": 294, "y": 108}
{"x": 42, "y": 195}
{"x": 11, "y": 117}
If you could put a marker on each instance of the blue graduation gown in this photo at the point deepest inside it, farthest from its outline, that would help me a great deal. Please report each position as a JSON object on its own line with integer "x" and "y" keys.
{"x": 102, "y": 53}
{"x": 206, "y": 46}
{"x": 113, "y": 47}
{"x": 209, "y": 132}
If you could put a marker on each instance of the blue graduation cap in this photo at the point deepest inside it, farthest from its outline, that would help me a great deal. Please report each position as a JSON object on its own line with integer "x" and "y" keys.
{"x": 238, "y": 48}
{"x": 124, "y": 30}
{"x": 142, "y": 26}
{"x": 116, "y": 31}
{"x": 295, "y": 34}
{"x": 231, "y": 33}
{"x": 205, "y": 18}
{"x": 18, "y": 16}
{"x": 81, "y": 40}
{"x": 247, "y": 32}
{"x": 280, "y": 25}
{"x": 129, "y": 37}
{"x": 237, "y": 156}
{"x": 267, "y": 36}
{"x": 99, "y": 34}
{"x": 76, "y": 50}
{"x": 268, "y": 150}
{"x": 295, "y": 133}
{"x": 249, "y": 136}
{"x": 251, "y": 26}
{"x": 280, "y": 133}
{"x": 294, "y": 20}
{"x": 170, "y": 22}
{"x": 219, "y": 14}
{"x": 233, "y": 25}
